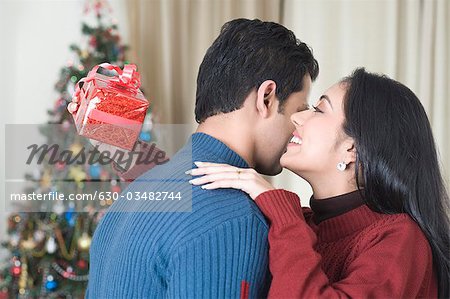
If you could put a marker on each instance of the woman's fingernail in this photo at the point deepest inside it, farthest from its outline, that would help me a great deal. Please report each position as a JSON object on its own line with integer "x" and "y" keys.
{"x": 188, "y": 171}
{"x": 198, "y": 163}
{"x": 190, "y": 182}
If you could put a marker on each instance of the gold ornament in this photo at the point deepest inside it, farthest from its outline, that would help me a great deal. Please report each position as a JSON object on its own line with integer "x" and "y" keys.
{"x": 46, "y": 180}
{"x": 84, "y": 54}
{"x": 23, "y": 275}
{"x": 28, "y": 244}
{"x": 77, "y": 174}
{"x": 84, "y": 242}
{"x": 76, "y": 148}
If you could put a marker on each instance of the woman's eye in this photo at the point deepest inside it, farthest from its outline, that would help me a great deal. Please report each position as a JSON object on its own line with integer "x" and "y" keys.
{"x": 316, "y": 109}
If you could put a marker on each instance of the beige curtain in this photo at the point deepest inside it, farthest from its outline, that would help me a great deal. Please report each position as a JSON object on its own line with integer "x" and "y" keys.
{"x": 409, "y": 40}
{"x": 168, "y": 40}
{"x": 423, "y": 63}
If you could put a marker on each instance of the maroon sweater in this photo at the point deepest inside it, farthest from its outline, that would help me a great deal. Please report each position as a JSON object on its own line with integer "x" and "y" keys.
{"x": 340, "y": 248}
{"x": 356, "y": 254}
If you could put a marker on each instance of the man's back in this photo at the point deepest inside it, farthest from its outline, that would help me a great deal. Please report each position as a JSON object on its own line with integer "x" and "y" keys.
{"x": 213, "y": 250}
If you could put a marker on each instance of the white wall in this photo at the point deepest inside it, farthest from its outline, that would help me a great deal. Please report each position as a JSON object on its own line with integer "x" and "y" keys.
{"x": 342, "y": 39}
{"x": 35, "y": 36}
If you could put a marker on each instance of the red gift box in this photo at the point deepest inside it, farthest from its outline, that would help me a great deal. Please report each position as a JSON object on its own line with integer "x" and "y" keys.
{"x": 112, "y": 109}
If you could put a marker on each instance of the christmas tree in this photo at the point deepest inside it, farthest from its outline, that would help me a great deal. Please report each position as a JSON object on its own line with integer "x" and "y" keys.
{"x": 49, "y": 249}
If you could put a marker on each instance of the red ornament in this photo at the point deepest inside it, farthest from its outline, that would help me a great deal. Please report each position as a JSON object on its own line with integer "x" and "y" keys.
{"x": 67, "y": 274}
{"x": 82, "y": 264}
{"x": 104, "y": 175}
{"x": 15, "y": 271}
{"x": 93, "y": 42}
{"x": 4, "y": 293}
{"x": 60, "y": 166}
{"x": 115, "y": 189}
{"x": 98, "y": 7}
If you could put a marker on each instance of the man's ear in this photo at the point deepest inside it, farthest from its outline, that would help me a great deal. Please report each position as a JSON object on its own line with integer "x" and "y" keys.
{"x": 265, "y": 98}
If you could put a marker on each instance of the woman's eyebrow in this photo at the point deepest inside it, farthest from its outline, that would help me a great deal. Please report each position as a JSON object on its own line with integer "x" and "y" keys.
{"x": 327, "y": 99}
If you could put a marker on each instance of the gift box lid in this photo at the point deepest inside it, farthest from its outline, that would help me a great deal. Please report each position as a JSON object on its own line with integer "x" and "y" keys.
{"x": 108, "y": 96}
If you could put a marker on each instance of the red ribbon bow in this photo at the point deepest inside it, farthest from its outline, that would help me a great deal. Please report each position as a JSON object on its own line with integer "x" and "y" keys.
{"x": 128, "y": 77}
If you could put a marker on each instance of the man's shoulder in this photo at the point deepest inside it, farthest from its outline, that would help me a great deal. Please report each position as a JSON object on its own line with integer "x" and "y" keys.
{"x": 224, "y": 204}
{"x": 218, "y": 211}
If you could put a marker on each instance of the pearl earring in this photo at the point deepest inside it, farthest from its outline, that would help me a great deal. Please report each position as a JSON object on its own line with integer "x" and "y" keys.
{"x": 341, "y": 166}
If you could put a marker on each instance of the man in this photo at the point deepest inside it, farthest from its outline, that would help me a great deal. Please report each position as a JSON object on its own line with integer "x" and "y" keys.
{"x": 252, "y": 78}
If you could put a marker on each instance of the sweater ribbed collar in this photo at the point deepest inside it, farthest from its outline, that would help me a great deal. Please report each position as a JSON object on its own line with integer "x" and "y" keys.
{"x": 337, "y": 217}
{"x": 210, "y": 149}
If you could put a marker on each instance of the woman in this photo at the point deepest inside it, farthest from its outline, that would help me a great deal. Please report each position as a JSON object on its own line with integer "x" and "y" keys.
{"x": 377, "y": 226}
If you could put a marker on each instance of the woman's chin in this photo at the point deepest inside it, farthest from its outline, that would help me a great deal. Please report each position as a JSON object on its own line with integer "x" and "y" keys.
{"x": 283, "y": 161}
{"x": 288, "y": 158}
{"x": 290, "y": 163}
{"x": 287, "y": 161}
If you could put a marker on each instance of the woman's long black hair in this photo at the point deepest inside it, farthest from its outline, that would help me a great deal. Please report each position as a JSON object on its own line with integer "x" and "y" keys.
{"x": 397, "y": 159}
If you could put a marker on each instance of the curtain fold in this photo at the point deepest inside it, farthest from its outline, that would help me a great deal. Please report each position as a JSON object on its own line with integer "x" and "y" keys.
{"x": 409, "y": 40}
{"x": 168, "y": 40}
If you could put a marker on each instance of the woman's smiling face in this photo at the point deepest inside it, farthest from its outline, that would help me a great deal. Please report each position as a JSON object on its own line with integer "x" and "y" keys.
{"x": 317, "y": 146}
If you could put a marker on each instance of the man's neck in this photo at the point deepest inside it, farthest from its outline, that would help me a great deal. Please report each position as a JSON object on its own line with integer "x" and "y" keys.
{"x": 235, "y": 135}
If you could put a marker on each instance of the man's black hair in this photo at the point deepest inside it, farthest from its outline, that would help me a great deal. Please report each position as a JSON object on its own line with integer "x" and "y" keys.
{"x": 244, "y": 55}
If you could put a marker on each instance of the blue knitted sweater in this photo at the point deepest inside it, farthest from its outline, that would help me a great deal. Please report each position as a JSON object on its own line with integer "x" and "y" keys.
{"x": 214, "y": 246}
